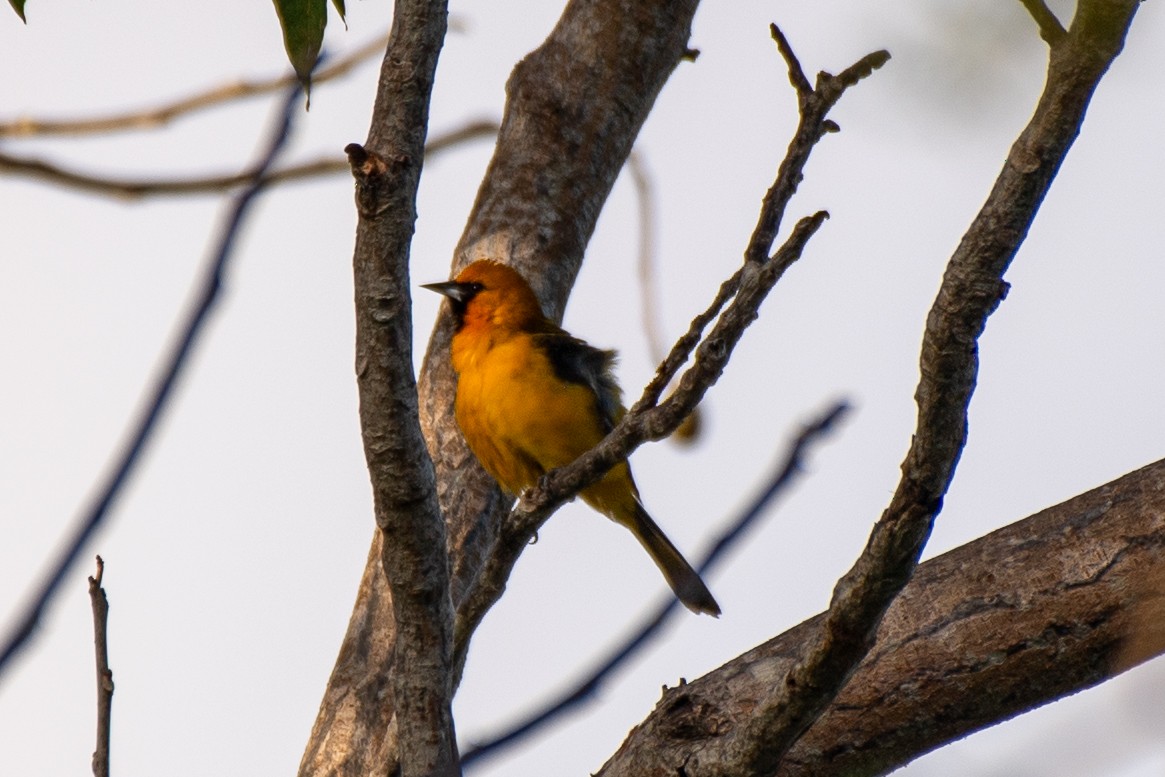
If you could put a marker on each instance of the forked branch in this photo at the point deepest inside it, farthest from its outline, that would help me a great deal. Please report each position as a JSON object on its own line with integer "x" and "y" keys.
{"x": 972, "y": 288}
{"x": 648, "y": 419}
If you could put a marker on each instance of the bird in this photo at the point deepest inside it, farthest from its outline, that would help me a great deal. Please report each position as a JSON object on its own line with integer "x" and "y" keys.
{"x": 531, "y": 398}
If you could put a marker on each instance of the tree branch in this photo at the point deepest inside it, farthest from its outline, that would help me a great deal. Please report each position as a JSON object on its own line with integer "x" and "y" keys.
{"x": 1047, "y": 606}
{"x": 100, "y": 606}
{"x": 558, "y": 153}
{"x": 133, "y": 188}
{"x": 646, "y": 420}
{"x": 789, "y": 467}
{"x": 1050, "y": 28}
{"x": 411, "y": 552}
{"x": 813, "y": 104}
{"x": 160, "y": 116}
{"x": 142, "y": 428}
{"x": 972, "y": 288}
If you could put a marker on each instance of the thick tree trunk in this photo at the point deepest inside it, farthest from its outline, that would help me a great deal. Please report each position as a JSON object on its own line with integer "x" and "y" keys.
{"x": 1057, "y": 602}
{"x": 558, "y": 154}
{"x": 574, "y": 108}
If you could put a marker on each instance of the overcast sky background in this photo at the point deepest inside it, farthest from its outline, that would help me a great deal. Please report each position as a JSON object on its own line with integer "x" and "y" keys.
{"x": 233, "y": 558}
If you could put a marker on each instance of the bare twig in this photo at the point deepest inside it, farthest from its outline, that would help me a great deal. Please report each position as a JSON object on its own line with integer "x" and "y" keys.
{"x": 1020, "y": 617}
{"x": 687, "y": 432}
{"x": 638, "y": 425}
{"x": 814, "y": 104}
{"x": 135, "y": 188}
{"x": 809, "y": 131}
{"x": 152, "y": 118}
{"x": 647, "y": 419}
{"x": 649, "y": 627}
{"x": 100, "y": 606}
{"x": 796, "y": 75}
{"x": 1050, "y": 28}
{"x": 811, "y": 127}
{"x": 95, "y": 513}
{"x": 36, "y": 169}
{"x": 972, "y": 288}
{"x": 648, "y": 279}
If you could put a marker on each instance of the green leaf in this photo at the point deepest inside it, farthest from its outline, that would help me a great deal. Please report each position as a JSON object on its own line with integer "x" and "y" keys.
{"x": 303, "y": 23}
{"x": 340, "y": 9}
{"x": 18, "y": 6}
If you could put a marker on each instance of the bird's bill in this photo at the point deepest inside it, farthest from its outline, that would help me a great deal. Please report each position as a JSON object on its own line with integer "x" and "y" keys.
{"x": 458, "y": 292}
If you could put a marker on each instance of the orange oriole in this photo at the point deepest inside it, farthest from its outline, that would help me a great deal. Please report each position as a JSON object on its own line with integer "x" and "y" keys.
{"x": 530, "y": 398}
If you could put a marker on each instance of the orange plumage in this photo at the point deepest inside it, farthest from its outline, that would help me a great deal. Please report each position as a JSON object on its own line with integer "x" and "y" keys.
{"x": 530, "y": 398}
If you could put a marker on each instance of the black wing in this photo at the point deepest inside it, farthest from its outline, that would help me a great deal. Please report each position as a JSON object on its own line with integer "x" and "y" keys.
{"x": 575, "y": 361}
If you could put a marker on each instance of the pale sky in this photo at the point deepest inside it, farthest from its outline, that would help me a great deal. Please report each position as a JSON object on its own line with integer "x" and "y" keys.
{"x": 233, "y": 558}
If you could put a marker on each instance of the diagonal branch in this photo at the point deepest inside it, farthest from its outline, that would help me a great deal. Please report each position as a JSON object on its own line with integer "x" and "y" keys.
{"x": 142, "y": 428}
{"x": 813, "y": 105}
{"x": 132, "y": 188}
{"x": 1046, "y": 606}
{"x": 1050, "y": 28}
{"x": 160, "y": 116}
{"x": 972, "y": 288}
{"x": 791, "y": 465}
{"x": 647, "y": 419}
{"x": 811, "y": 127}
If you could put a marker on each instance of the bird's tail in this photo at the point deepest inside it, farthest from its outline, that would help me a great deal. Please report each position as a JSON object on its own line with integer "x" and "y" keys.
{"x": 688, "y": 586}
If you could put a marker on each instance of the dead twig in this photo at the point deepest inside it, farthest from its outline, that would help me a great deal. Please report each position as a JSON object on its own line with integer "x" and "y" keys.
{"x": 1050, "y": 28}
{"x": 689, "y": 431}
{"x": 584, "y": 689}
{"x": 649, "y": 419}
{"x": 160, "y": 116}
{"x": 134, "y": 188}
{"x": 100, "y": 605}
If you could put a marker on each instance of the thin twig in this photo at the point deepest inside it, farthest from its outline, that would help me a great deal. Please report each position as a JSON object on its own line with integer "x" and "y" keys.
{"x": 133, "y": 188}
{"x": 648, "y": 278}
{"x": 152, "y": 118}
{"x": 100, "y": 606}
{"x": 1050, "y": 28}
{"x": 684, "y": 346}
{"x": 649, "y": 281}
{"x": 796, "y": 74}
{"x": 747, "y": 290}
{"x": 95, "y": 513}
{"x": 814, "y": 104}
{"x": 585, "y": 689}
{"x": 640, "y": 424}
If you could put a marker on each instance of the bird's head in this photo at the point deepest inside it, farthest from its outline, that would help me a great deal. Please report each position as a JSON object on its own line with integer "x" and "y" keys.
{"x": 491, "y": 293}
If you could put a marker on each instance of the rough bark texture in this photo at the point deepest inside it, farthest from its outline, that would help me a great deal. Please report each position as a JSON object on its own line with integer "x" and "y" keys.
{"x": 650, "y": 419}
{"x": 1049, "y": 605}
{"x": 972, "y": 288}
{"x": 395, "y": 664}
{"x": 574, "y": 108}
